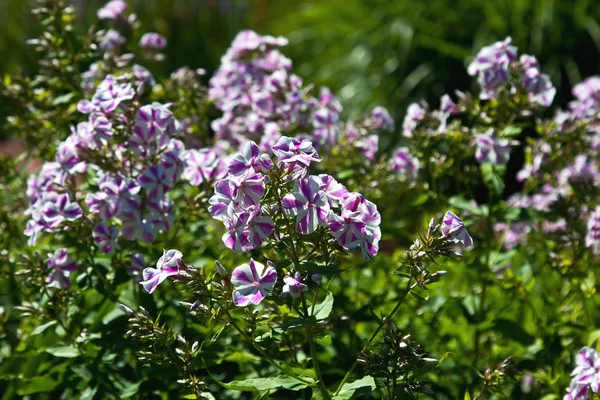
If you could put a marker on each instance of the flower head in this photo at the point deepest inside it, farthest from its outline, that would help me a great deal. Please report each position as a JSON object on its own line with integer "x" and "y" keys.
{"x": 252, "y": 282}
{"x": 112, "y": 10}
{"x": 167, "y": 265}
{"x": 293, "y": 285}
{"x": 295, "y": 155}
{"x": 62, "y": 267}
{"x": 454, "y": 229}
{"x": 586, "y": 375}
{"x": 153, "y": 40}
{"x": 308, "y": 203}
{"x": 490, "y": 149}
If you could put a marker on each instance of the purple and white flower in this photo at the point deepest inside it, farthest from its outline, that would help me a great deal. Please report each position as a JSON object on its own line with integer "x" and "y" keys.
{"x": 252, "y": 282}
{"x": 454, "y": 229}
{"x": 250, "y": 161}
{"x": 106, "y": 238}
{"x": 308, "y": 203}
{"x": 404, "y": 164}
{"x": 295, "y": 155}
{"x": 62, "y": 266}
{"x": 293, "y": 285}
{"x": 112, "y": 10}
{"x": 492, "y": 150}
{"x": 166, "y": 266}
{"x": 137, "y": 266}
{"x": 153, "y": 40}
{"x": 586, "y": 375}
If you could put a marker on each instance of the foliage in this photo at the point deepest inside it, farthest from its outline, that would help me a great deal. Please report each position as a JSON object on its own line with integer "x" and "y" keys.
{"x": 282, "y": 220}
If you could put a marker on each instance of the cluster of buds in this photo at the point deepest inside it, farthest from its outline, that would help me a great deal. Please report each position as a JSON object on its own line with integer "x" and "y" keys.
{"x": 399, "y": 359}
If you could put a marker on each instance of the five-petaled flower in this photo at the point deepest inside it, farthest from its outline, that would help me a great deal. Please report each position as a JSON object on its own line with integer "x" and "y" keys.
{"x": 252, "y": 282}
{"x": 308, "y": 203}
{"x": 293, "y": 285}
{"x": 62, "y": 267}
{"x": 167, "y": 265}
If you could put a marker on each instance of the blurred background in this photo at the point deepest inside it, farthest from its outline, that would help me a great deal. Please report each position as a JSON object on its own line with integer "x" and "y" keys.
{"x": 369, "y": 52}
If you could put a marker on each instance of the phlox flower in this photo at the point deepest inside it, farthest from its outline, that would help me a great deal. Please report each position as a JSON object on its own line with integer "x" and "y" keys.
{"x": 258, "y": 227}
{"x": 249, "y": 160}
{"x": 369, "y": 215}
{"x": 295, "y": 155}
{"x": 250, "y": 189}
{"x": 308, "y": 203}
{"x": 537, "y": 85}
{"x": 167, "y": 265}
{"x": 109, "y": 95}
{"x": 138, "y": 264}
{"x": 454, "y": 229}
{"x": 492, "y": 150}
{"x": 415, "y": 114}
{"x": 111, "y": 40}
{"x": 58, "y": 208}
{"x": 155, "y": 180}
{"x": 236, "y": 237}
{"x": 252, "y": 282}
{"x": 381, "y": 119}
{"x": 293, "y": 285}
{"x": 592, "y": 238}
{"x": 153, "y": 40}
{"x": 404, "y": 164}
{"x": 200, "y": 165}
{"x": 334, "y": 190}
{"x": 491, "y": 65}
{"x": 112, "y": 10}
{"x": 106, "y": 238}
{"x": 225, "y": 198}
{"x": 586, "y": 375}
{"x": 348, "y": 228}
{"x": 62, "y": 267}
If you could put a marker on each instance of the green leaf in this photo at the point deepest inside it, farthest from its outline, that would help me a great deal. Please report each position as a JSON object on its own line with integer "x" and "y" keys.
{"x": 241, "y": 357}
{"x": 324, "y": 340}
{"x": 64, "y": 99}
{"x": 42, "y": 328}
{"x": 323, "y": 309}
{"x": 493, "y": 177}
{"x": 467, "y": 396}
{"x": 294, "y": 323}
{"x": 63, "y": 351}
{"x": 126, "y": 388}
{"x": 89, "y": 393}
{"x": 349, "y": 390}
{"x": 511, "y": 131}
{"x": 462, "y": 204}
{"x": 112, "y": 315}
{"x": 262, "y": 384}
{"x": 418, "y": 296}
{"x": 38, "y": 384}
{"x": 514, "y": 331}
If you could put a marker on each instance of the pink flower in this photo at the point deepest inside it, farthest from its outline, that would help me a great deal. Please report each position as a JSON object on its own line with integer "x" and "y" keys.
{"x": 252, "y": 282}
{"x": 490, "y": 149}
{"x": 62, "y": 267}
{"x": 369, "y": 242}
{"x": 454, "y": 229}
{"x": 308, "y": 203}
{"x": 258, "y": 227}
{"x": 167, "y": 265}
{"x": 293, "y": 285}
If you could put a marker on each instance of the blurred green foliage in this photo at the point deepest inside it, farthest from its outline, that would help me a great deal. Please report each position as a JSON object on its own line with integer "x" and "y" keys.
{"x": 368, "y": 51}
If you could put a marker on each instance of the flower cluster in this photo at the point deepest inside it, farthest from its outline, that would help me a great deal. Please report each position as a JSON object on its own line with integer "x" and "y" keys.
{"x": 249, "y": 215}
{"x": 491, "y": 149}
{"x": 586, "y": 375}
{"x": 62, "y": 266}
{"x": 257, "y": 94}
{"x": 497, "y": 68}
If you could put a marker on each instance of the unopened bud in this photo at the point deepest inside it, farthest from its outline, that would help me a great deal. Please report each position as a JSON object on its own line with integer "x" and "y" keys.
{"x": 220, "y": 269}
{"x": 127, "y": 310}
{"x": 436, "y": 276}
{"x": 316, "y": 277}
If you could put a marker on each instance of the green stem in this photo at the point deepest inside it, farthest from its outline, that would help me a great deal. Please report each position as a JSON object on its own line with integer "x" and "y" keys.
{"x": 409, "y": 286}
{"x": 313, "y": 354}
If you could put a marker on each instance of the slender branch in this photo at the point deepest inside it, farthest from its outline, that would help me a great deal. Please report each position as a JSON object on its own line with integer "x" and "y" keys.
{"x": 313, "y": 354}
{"x": 409, "y": 286}
{"x": 261, "y": 351}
